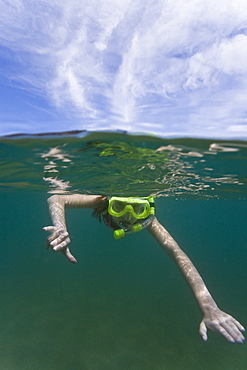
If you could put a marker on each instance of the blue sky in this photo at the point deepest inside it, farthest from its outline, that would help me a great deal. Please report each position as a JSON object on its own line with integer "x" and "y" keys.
{"x": 169, "y": 67}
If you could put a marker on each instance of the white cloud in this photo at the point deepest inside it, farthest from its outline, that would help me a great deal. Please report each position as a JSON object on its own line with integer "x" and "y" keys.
{"x": 167, "y": 62}
{"x": 238, "y": 128}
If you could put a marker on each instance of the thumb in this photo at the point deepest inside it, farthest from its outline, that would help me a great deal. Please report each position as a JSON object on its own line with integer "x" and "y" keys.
{"x": 69, "y": 256}
{"x": 203, "y": 331}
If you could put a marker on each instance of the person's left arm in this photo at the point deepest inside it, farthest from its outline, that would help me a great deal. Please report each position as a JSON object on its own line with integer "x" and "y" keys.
{"x": 213, "y": 317}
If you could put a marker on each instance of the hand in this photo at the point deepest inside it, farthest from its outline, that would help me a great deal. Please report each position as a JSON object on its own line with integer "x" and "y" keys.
{"x": 58, "y": 241}
{"x": 221, "y": 322}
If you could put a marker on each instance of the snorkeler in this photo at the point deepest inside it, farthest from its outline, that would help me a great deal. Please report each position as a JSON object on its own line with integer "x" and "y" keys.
{"x": 129, "y": 215}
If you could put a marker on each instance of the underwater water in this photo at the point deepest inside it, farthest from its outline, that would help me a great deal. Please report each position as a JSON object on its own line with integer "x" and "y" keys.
{"x": 124, "y": 305}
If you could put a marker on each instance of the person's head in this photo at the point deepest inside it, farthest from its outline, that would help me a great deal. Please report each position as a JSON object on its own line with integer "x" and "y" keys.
{"x": 128, "y": 211}
{"x": 125, "y": 214}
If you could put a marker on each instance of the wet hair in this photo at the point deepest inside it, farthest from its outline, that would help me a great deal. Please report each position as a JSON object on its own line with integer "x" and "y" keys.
{"x": 100, "y": 212}
{"x": 101, "y": 207}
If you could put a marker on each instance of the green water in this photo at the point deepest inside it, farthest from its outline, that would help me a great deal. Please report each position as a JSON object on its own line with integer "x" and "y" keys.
{"x": 124, "y": 305}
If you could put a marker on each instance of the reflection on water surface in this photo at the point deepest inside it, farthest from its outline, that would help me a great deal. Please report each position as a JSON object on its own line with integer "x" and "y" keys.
{"x": 111, "y": 163}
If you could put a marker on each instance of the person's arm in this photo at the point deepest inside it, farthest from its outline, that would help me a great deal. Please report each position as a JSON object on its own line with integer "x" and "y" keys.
{"x": 59, "y": 239}
{"x": 213, "y": 317}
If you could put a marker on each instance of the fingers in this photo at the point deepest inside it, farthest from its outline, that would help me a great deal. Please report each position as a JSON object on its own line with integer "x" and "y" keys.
{"x": 238, "y": 325}
{"x": 48, "y": 228}
{"x": 58, "y": 241}
{"x": 203, "y": 331}
{"x": 228, "y": 333}
{"x": 229, "y": 327}
{"x": 231, "y": 332}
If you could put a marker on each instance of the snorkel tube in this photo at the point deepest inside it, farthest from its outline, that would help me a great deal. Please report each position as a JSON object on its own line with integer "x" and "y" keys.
{"x": 120, "y": 233}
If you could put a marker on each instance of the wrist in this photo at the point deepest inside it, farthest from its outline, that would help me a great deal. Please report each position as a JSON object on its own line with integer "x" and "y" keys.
{"x": 208, "y": 307}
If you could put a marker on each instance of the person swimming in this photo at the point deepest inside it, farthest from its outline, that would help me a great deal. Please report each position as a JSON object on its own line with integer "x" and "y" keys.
{"x": 126, "y": 215}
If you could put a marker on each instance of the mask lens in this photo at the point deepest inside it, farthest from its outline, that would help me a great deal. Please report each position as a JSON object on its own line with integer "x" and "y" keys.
{"x": 118, "y": 206}
{"x": 139, "y": 208}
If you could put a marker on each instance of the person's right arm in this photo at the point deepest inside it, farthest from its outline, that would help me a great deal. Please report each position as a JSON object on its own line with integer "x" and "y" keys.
{"x": 59, "y": 238}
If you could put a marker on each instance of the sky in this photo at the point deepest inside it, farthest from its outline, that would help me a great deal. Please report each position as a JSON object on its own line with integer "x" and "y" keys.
{"x": 164, "y": 67}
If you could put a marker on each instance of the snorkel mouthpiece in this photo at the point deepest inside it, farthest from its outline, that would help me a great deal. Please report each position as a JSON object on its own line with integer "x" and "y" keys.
{"x": 120, "y": 233}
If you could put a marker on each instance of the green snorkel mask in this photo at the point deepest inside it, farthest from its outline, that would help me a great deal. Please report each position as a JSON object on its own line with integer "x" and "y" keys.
{"x": 127, "y": 208}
